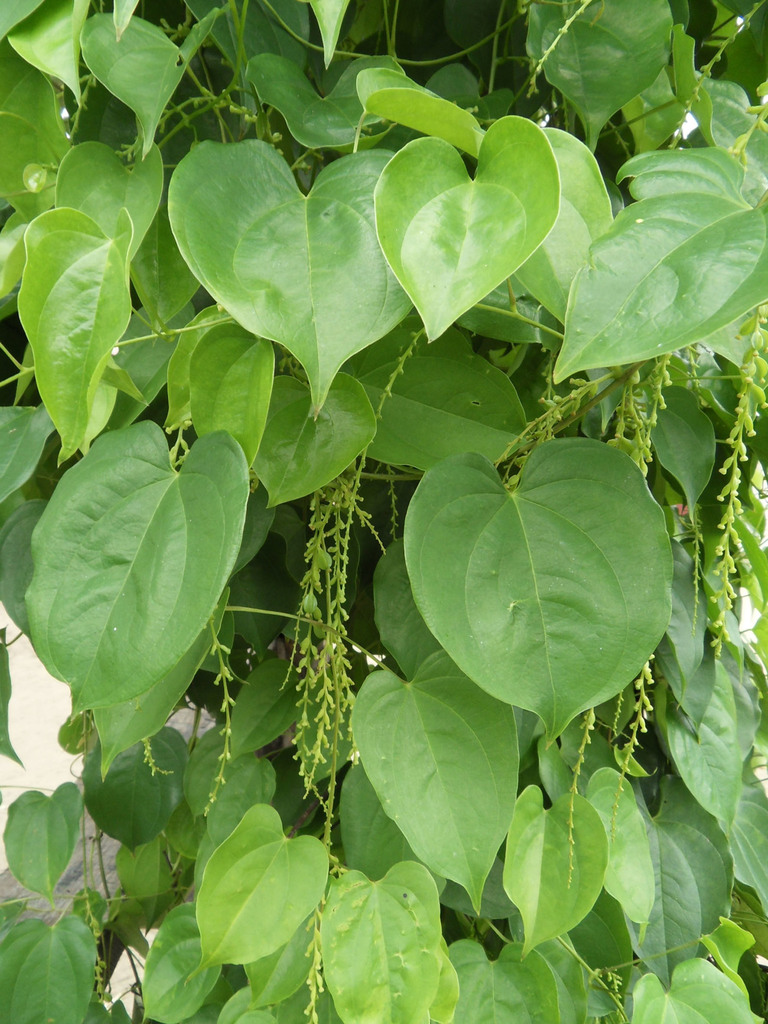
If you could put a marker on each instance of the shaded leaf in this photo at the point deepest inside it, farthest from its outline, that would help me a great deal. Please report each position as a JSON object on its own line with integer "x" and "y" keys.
{"x": 372, "y": 842}
{"x": 684, "y": 439}
{"x": 41, "y": 834}
{"x": 506, "y": 989}
{"x": 16, "y": 560}
{"x": 265, "y": 706}
{"x": 401, "y": 627}
{"x": 171, "y": 989}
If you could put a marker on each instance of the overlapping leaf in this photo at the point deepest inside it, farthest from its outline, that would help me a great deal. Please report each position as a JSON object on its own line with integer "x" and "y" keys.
{"x": 506, "y": 989}
{"x": 40, "y": 836}
{"x": 699, "y": 992}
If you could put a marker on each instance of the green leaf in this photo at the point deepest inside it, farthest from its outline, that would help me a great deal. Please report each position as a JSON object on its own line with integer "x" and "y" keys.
{"x": 699, "y": 992}
{"x": 276, "y": 977}
{"x": 372, "y": 842}
{"x": 381, "y": 945}
{"x": 94, "y": 180}
{"x": 604, "y": 58}
{"x": 258, "y": 887}
{"x": 230, "y": 381}
{"x": 555, "y": 863}
{"x": 178, "y": 366}
{"x": 390, "y": 95}
{"x": 507, "y": 989}
{"x": 91, "y": 574}
{"x": 16, "y": 560}
{"x": 446, "y": 400}
{"x": 682, "y": 650}
{"x": 249, "y": 780}
{"x": 162, "y": 279}
{"x": 585, "y": 214}
{"x": 46, "y": 973}
{"x": 265, "y": 706}
{"x": 443, "y": 1006}
{"x": 603, "y": 942}
{"x": 684, "y": 439}
{"x": 15, "y": 11}
{"x": 672, "y": 171}
{"x": 74, "y": 304}
{"x": 259, "y": 28}
{"x": 12, "y": 252}
{"x": 123, "y": 12}
{"x": 727, "y": 944}
{"x": 569, "y": 978}
{"x": 49, "y": 39}
{"x": 131, "y": 803}
{"x": 235, "y": 1011}
{"x": 41, "y": 834}
{"x": 145, "y": 875}
{"x": 302, "y": 451}
{"x": 23, "y": 433}
{"x": 6, "y": 747}
{"x": 670, "y": 271}
{"x": 450, "y": 240}
{"x": 530, "y": 569}
{"x": 401, "y": 627}
{"x": 329, "y": 14}
{"x": 335, "y": 262}
{"x": 749, "y": 840}
{"x": 318, "y": 121}
{"x": 629, "y": 876}
{"x": 442, "y": 757}
{"x": 172, "y": 989}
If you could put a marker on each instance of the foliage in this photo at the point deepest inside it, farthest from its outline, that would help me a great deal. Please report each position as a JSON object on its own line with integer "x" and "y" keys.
{"x": 385, "y": 382}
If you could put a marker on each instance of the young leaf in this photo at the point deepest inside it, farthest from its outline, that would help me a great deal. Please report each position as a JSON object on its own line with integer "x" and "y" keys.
{"x": 23, "y": 433}
{"x": 727, "y": 944}
{"x": 699, "y": 992}
{"x": 257, "y": 889}
{"x": 529, "y": 570}
{"x": 506, "y": 989}
{"x": 381, "y": 945}
{"x": 335, "y": 261}
{"x": 555, "y": 863}
{"x": 172, "y": 989}
{"x": 41, "y": 834}
{"x": 91, "y": 573}
{"x": 49, "y": 39}
{"x": 450, "y": 240}
{"x": 442, "y": 757}
{"x": 684, "y": 439}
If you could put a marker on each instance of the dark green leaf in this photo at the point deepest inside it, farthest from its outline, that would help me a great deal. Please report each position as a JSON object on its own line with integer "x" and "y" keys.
{"x": 41, "y": 834}
{"x": 401, "y": 627}
{"x": 372, "y": 842}
{"x": 265, "y": 707}
{"x": 6, "y": 747}
{"x": 749, "y": 840}
{"x": 16, "y": 560}
{"x": 162, "y": 279}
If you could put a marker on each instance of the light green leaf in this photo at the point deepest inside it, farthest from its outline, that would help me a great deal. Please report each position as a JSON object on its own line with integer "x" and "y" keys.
{"x": 555, "y": 863}
{"x": 672, "y": 171}
{"x": 302, "y": 451}
{"x": 235, "y": 1011}
{"x": 257, "y": 889}
{"x": 74, "y": 304}
{"x": 381, "y": 945}
{"x": 443, "y": 1007}
{"x": 14, "y": 11}
{"x": 276, "y": 977}
{"x": 335, "y": 261}
{"x": 12, "y": 252}
{"x": 688, "y": 90}
{"x": 401, "y": 627}
{"x": 172, "y": 990}
{"x": 636, "y": 38}
{"x": 684, "y": 439}
{"x": 162, "y": 279}
{"x": 450, "y": 240}
{"x": 699, "y": 993}
{"x": 49, "y": 39}
{"x": 41, "y": 834}
{"x": 507, "y": 989}
{"x": 23, "y": 433}
{"x": 122, "y": 14}
{"x": 442, "y": 757}
{"x": 265, "y": 706}
{"x": 390, "y": 95}
{"x": 727, "y": 944}
{"x": 91, "y": 574}
{"x": 629, "y": 876}
{"x": 329, "y": 14}
{"x": 372, "y": 842}
{"x": 749, "y": 840}
{"x": 230, "y": 381}
{"x": 671, "y": 270}
{"x": 16, "y": 560}
{"x": 249, "y": 780}
{"x": 313, "y": 120}
{"x": 178, "y": 366}
{"x": 654, "y": 114}
{"x": 446, "y": 400}
{"x": 46, "y": 973}
{"x": 579, "y": 541}
{"x": 94, "y": 180}
{"x": 131, "y": 803}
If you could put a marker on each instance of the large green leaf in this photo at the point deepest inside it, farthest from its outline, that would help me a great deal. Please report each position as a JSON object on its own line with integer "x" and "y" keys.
{"x": 604, "y": 58}
{"x": 74, "y": 304}
{"x": 629, "y": 876}
{"x": 257, "y": 889}
{"x": 171, "y": 989}
{"x": 554, "y": 595}
{"x": 132, "y": 802}
{"x": 372, "y": 842}
{"x": 401, "y": 627}
{"x": 285, "y": 265}
{"x": 41, "y": 834}
{"x": 49, "y": 39}
{"x": 442, "y": 757}
{"x": 23, "y": 433}
{"x": 446, "y": 400}
{"x": 381, "y": 944}
{"x": 46, "y": 973}
{"x": 94, "y": 180}
{"x": 684, "y": 439}
{"x": 555, "y": 863}
{"x": 507, "y": 989}
{"x": 749, "y": 840}
{"x": 699, "y": 993}
{"x": 670, "y": 271}
{"x": 451, "y": 240}
{"x": 230, "y": 381}
{"x": 276, "y": 977}
{"x": 302, "y": 451}
{"x": 585, "y": 214}
{"x": 92, "y": 575}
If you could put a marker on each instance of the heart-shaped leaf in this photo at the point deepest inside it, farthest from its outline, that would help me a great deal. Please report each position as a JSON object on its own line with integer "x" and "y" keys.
{"x": 49, "y": 39}
{"x": 699, "y": 992}
{"x": 94, "y": 180}
{"x": 288, "y": 265}
{"x": 301, "y": 452}
{"x": 41, "y": 834}
{"x": 372, "y": 842}
{"x": 442, "y": 757}
{"x": 91, "y": 573}
{"x": 554, "y": 595}
{"x": 506, "y": 989}
{"x": 451, "y": 240}
{"x": 257, "y": 889}
{"x": 75, "y": 304}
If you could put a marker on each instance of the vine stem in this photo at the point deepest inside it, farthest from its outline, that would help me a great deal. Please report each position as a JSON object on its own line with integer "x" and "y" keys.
{"x": 595, "y": 976}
